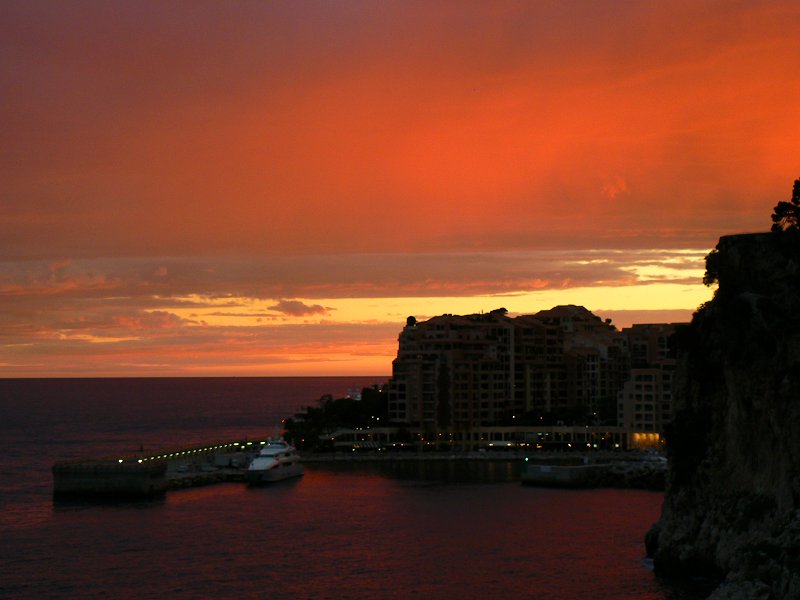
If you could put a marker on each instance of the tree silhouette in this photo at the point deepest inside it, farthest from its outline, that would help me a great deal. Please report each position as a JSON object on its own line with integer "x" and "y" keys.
{"x": 786, "y": 215}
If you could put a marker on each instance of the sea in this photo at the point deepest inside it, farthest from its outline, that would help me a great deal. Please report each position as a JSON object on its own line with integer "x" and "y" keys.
{"x": 343, "y": 530}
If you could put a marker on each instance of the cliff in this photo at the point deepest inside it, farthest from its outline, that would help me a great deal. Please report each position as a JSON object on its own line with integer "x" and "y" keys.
{"x": 732, "y": 505}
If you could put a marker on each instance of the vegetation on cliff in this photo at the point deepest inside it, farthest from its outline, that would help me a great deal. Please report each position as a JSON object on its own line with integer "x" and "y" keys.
{"x": 786, "y": 215}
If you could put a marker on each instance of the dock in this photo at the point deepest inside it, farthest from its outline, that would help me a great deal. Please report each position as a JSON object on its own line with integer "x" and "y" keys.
{"x": 145, "y": 474}
{"x": 563, "y": 475}
{"x": 641, "y": 472}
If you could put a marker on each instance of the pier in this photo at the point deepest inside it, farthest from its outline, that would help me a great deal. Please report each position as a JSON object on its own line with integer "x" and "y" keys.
{"x": 604, "y": 470}
{"x": 146, "y": 474}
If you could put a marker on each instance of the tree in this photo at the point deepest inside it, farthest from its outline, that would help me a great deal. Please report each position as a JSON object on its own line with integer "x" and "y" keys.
{"x": 786, "y": 215}
{"x": 712, "y": 268}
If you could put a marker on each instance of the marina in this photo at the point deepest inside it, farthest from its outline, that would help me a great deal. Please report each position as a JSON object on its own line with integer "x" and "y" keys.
{"x": 266, "y": 460}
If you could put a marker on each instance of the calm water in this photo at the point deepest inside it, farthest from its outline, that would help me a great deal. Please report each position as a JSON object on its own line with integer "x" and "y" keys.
{"x": 346, "y": 531}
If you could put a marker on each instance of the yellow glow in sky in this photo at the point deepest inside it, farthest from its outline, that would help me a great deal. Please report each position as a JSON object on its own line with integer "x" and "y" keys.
{"x": 653, "y": 296}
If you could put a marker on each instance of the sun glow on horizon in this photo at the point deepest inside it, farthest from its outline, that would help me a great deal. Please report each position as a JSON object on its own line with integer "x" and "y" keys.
{"x": 355, "y": 336}
{"x": 249, "y": 312}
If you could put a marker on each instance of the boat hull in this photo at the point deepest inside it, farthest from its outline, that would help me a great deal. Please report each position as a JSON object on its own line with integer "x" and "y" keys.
{"x": 279, "y": 473}
{"x": 564, "y": 476}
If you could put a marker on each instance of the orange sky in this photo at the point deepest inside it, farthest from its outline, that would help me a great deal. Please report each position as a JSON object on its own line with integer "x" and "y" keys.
{"x": 271, "y": 188}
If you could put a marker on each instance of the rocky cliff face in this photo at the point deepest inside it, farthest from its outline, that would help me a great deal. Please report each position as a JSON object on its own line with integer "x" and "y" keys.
{"x": 732, "y": 507}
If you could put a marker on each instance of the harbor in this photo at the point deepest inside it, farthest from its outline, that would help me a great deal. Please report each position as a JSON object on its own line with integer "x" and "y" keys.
{"x": 145, "y": 474}
{"x": 192, "y": 541}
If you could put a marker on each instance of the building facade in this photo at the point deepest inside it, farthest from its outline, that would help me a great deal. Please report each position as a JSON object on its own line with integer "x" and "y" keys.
{"x": 463, "y": 372}
{"x": 645, "y": 401}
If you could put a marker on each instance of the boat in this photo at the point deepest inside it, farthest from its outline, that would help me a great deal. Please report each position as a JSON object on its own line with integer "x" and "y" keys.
{"x": 562, "y": 475}
{"x": 276, "y": 461}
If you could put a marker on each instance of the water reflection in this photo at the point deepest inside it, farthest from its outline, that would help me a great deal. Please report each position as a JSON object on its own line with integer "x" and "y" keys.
{"x": 433, "y": 471}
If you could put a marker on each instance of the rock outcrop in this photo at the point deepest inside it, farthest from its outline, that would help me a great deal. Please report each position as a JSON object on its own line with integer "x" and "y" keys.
{"x": 732, "y": 505}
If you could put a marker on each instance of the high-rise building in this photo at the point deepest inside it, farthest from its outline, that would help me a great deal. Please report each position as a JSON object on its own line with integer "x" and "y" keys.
{"x": 595, "y": 358}
{"x": 454, "y": 373}
{"x": 644, "y": 403}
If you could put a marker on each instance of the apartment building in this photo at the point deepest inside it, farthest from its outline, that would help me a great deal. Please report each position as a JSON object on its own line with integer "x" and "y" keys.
{"x": 645, "y": 401}
{"x": 460, "y": 373}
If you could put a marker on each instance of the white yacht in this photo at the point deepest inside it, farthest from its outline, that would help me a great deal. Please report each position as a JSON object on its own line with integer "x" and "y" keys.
{"x": 277, "y": 460}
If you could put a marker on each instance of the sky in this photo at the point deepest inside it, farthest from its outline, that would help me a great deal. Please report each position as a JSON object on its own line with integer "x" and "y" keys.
{"x": 270, "y": 188}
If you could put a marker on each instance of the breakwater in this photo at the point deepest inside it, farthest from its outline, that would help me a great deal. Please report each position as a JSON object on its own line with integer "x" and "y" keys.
{"x": 641, "y": 474}
{"x": 152, "y": 473}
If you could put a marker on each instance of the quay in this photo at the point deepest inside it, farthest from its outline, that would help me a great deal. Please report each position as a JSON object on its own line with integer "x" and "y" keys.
{"x": 555, "y": 475}
{"x": 146, "y": 474}
{"x": 604, "y": 470}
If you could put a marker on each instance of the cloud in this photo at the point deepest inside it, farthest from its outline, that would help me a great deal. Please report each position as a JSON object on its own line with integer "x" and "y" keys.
{"x": 217, "y": 282}
{"x": 290, "y": 155}
{"x": 428, "y": 128}
{"x": 615, "y": 186}
{"x": 284, "y": 349}
{"x": 57, "y": 266}
{"x": 124, "y": 308}
{"x": 241, "y": 315}
{"x": 152, "y": 320}
{"x": 295, "y": 308}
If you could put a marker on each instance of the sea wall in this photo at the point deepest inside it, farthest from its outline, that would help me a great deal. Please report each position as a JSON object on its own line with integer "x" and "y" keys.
{"x": 109, "y": 478}
{"x": 731, "y": 509}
